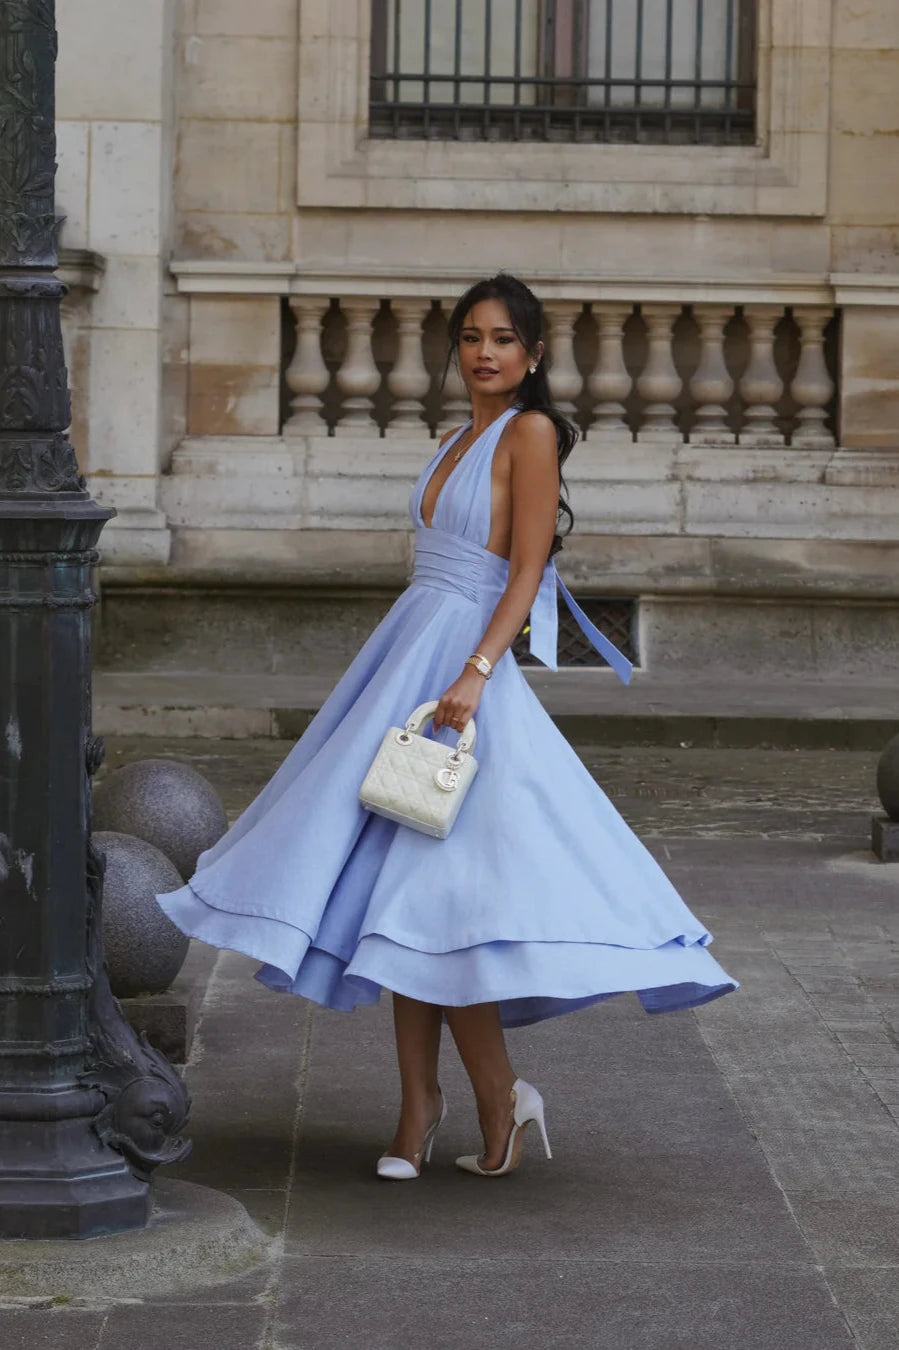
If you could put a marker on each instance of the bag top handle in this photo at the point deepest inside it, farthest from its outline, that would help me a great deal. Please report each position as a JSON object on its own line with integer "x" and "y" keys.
{"x": 416, "y": 721}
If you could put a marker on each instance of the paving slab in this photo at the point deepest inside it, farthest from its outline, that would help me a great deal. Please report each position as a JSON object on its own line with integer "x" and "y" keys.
{"x": 825, "y": 1162}
{"x": 553, "y": 1305}
{"x": 223, "y": 1326}
{"x": 851, "y": 1232}
{"x": 58, "y": 1328}
{"x": 247, "y": 1053}
{"x": 806, "y": 1100}
{"x": 869, "y": 1299}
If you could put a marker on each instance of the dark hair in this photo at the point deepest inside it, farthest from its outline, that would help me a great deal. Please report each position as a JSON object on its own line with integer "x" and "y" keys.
{"x": 526, "y": 315}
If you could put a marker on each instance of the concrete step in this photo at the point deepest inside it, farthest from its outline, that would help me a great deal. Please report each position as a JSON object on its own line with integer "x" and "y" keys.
{"x": 722, "y": 709}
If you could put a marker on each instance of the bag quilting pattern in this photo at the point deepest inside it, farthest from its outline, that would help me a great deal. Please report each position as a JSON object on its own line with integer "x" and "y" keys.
{"x": 418, "y": 782}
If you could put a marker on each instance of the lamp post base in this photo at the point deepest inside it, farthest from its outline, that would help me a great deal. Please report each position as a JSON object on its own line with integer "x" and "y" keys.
{"x": 196, "y": 1238}
{"x": 57, "y": 1179}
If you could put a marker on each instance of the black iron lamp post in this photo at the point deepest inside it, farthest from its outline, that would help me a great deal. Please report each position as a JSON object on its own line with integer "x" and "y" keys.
{"x": 87, "y": 1110}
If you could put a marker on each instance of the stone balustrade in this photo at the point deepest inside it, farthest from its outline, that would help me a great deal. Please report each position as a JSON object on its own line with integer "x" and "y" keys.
{"x": 704, "y": 364}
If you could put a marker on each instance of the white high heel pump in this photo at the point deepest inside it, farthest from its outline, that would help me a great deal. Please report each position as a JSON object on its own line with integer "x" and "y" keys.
{"x": 400, "y": 1169}
{"x": 528, "y": 1107}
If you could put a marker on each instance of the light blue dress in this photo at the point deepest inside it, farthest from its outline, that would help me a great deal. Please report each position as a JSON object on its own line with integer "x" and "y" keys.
{"x": 541, "y": 898}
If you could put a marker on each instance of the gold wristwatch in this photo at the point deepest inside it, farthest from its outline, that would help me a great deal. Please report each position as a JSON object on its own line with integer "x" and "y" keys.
{"x": 481, "y": 664}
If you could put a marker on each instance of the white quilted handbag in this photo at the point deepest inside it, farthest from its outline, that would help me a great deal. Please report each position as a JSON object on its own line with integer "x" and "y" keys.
{"x": 417, "y": 782}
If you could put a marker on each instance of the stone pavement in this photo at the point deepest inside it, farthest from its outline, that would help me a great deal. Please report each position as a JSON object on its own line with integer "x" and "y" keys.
{"x": 724, "y": 1178}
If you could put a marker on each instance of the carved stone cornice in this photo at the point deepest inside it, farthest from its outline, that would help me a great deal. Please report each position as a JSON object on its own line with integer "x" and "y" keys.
{"x": 81, "y": 269}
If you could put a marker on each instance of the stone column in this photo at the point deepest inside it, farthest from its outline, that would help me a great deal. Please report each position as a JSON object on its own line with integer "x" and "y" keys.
{"x": 711, "y": 386}
{"x": 761, "y": 386}
{"x": 307, "y": 375}
{"x": 868, "y": 375}
{"x": 409, "y": 380}
{"x": 812, "y": 387}
{"x": 358, "y": 378}
{"x": 455, "y": 404}
{"x": 659, "y": 383}
{"x": 610, "y": 383}
{"x": 565, "y": 380}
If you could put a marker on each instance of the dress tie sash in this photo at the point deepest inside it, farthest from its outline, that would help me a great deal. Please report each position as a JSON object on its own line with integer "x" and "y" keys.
{"x": 544, "y": 639}
{"x": 450, "y": 562}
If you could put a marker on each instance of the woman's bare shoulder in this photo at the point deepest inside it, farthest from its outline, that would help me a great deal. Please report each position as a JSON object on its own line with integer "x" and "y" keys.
{"x": 533, "y": 430}
{"x": 447, "y": 435}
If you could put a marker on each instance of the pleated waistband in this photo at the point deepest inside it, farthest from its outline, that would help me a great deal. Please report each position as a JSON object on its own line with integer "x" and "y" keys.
{"x": 450, "y": 563}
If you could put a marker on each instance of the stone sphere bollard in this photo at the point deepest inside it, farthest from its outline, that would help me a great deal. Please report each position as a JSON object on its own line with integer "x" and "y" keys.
{"x": 166, "y": 803}
{"x": 888, "y": 778}
{"x": 885, "y": 829}
{"x": 144, "y": 950}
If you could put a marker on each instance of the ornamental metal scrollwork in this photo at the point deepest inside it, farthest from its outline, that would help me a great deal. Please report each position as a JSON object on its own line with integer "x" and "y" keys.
{"x": 35, "y": 408}
{"x": 21, "y": 13}
{"x": 27, "y": 138}
{"x": 28, "y": 236}
{"x": 33, "y": 379}
{"x": 147, "y": 1105}
{"x": 94, "y": 754}
{"x": 6, "y": 858}
{"x": 39, "y": 466}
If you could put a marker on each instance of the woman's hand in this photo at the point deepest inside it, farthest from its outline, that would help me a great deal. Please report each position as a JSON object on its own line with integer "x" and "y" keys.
{"x": 460, "y": 702}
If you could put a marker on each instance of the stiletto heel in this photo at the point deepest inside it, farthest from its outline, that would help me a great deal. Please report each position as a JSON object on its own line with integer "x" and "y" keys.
{"x": 528, "y": 1107}
{"x": 432, "y": 1135}
{"x": 541, "y": 1125}
{"x": 401, "y": 1169}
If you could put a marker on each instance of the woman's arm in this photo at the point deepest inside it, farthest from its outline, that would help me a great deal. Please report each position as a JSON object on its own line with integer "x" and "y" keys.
{"x": 534, "y": 496}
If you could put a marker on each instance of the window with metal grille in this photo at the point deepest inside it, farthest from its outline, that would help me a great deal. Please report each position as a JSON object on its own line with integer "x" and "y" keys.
{"x": 614, "y": 618}
{"x": 643, "y": 71}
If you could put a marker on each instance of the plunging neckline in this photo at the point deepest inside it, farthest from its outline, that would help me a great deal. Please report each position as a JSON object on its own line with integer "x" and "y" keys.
{"x": 442, "y": 456}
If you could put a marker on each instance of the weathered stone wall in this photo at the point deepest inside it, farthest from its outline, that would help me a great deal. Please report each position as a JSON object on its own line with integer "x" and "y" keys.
{"x": 229, "y": 137}
{"x": 863, "y": 180}
{"x": 237, "y": 112}
{"x": 863, "y": 213}
{"x": 115, "y": 137}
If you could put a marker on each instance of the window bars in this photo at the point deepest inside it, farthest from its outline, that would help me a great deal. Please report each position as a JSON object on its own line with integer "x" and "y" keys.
{"x": 617, "y": 619}
{"x": 639, "y": 71}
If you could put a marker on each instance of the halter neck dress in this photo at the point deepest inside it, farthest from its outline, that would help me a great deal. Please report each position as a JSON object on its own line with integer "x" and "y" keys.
{"x": 541, "y": 898}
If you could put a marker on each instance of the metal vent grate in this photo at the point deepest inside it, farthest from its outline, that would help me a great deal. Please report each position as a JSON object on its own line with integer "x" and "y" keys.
{"x": 614, "y": 618}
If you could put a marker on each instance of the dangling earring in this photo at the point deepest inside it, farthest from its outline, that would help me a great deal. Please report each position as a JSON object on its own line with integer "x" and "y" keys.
{"x": 533, "y": 368}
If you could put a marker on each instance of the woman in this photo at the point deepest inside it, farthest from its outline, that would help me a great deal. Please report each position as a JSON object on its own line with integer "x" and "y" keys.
{"x": 541, "y": 900}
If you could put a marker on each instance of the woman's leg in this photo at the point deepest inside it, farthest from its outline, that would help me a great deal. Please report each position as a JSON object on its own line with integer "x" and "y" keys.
{"x": 417, "y": 1026}
{"x": 479, "y": 1038}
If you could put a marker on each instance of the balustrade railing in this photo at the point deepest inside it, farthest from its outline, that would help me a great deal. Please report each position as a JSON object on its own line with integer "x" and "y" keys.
{"x": 710, "y": 372}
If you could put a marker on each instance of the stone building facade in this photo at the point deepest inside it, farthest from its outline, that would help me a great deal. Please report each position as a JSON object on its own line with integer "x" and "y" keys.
{"x": 257, "y": 307}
